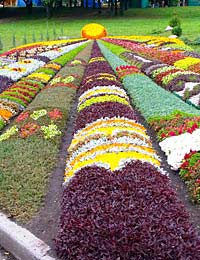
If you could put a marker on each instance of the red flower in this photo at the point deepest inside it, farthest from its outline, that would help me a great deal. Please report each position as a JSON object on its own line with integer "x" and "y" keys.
{"x": 184, "y": 165}
{"x": 55, "y": 114}
{"x": 172, "y": 133}
{"x": 29, "y": 129}
{"x": 163, "y": 135}
{"x": 190, "y": 130}
{"x": 22, "y": 116}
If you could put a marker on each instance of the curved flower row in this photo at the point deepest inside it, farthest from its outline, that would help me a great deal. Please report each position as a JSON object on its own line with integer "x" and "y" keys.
{"x": 31, "y": 49}
{"x": 177, "y": 124}
{"x": 175, "y": 58}
{"x": 152, "y": 41}
{"x": 19, "y": 95}
{"x": 16, "y": 70}
{"x": 185, "y": 84}
{"x": 109, "y": 142}
{"x": 35, "y": 137}
{"x": 117, "y": 204}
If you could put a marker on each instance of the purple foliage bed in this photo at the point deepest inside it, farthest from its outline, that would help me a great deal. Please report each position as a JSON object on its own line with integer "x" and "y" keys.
{"x": 132, "y": 213}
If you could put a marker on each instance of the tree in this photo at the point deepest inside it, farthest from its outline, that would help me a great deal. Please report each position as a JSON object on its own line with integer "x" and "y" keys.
{"x": 99, "y": 6}
{"x": 115, "y": 7}
{"x": 126, "y": 4}
{"x": 49, "y": 5}
{"x": 121, "y": 7}
{"x": 111, "y": 6}
{"x": 29, "y": 5}
{"x": 86, "y": 3}
{"x": 94, "y": 4}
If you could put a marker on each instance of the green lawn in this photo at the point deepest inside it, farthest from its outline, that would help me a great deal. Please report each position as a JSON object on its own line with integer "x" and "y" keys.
{"x": 69, "y": 23}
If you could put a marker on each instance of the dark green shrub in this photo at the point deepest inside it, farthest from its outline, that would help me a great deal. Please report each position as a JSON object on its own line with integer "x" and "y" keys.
{"x": 174, "y": 22}
{"x": 177, "y": 31}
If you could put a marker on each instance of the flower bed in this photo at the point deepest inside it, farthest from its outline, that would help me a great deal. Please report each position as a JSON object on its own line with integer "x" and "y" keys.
{"x": 175, "y": 122}
{"x": 184, "y": 84}
{"x": 19, "y": 95}
{"x": 175, "y": 58}
{"x": 32, "y": 143}
{"x": 116, "y": 202}
{"x": 31, "y": 49}
{"x": 16, "y": 70}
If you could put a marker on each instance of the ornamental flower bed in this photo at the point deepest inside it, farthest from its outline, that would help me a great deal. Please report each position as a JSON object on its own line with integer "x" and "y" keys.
{"x": 185, "y": 84}
{"x": 116, "y": 201}
{"x": 19, "y": 95}
{"x": 175, "y": 122}
{"x": 16, "y": 70}
{"x": 33, "y": 141}
{"x": 29, "y": 50}
{"x": 175, "y": 58}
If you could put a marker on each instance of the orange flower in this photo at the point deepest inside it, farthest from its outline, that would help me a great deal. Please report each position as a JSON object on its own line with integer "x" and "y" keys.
{"x": 6, "y": 114}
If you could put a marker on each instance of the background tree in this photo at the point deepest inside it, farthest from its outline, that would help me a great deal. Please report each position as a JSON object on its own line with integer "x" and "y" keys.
{"x": 115, "y": 7}
{"x": 86, "y": 3}
{"x": 29, "y": 5}
{"x": 121, "y": 7}
{"x": 49, "y": 6}
{"x": 94, "y": 4}
{"x": 99, "y": 6}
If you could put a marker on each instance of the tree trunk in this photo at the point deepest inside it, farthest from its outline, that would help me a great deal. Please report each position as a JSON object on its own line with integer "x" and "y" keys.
{"x": 130, "y": 3}
{"x": 99, "y": 6}
{"x": 70, "y": 3}
{"x": 75, "y": 3}
{"x": 126, "y": 5}
{"x": 30, "y": 6}
{"x": 94, "y": 4}
{"x": 115, "y": 7}
{"x": 82, "y": 3}
{"x": 48, "y": 11}
{"x": 86, "y": 3}
{"x": 111, "y": 6}
{"x": 121, "y": 7}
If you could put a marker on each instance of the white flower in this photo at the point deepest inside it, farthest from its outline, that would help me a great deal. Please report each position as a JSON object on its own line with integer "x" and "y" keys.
{"x": 175, "y": 147}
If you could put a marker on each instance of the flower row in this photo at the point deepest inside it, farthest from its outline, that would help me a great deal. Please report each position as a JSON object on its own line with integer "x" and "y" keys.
{"x": 176, "y": 123}
{"x": 16, "y": 70}
{"x": 116, "y": 200}
{"x": 31, "y": 49}
{"x": 35, "y": 138}
{"x": 185, "y": 84}
{"x": 175, "y": 58}
{"x": 19, "y": 95}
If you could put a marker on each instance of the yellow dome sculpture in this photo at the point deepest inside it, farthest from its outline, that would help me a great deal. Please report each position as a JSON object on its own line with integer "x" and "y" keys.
{"x": 93, "y": 31}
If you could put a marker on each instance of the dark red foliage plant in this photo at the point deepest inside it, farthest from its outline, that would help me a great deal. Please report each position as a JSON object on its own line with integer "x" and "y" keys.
{"x": 128, "y": 214}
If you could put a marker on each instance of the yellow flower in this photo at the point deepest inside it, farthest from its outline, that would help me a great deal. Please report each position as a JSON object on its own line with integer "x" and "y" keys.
{"x": 186, "y": 62}
{"x": 112, "y": 160}
{"x": 96, "y": 59}
{"x": 42, "y": 76}
{"x": 105, "y": 98}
